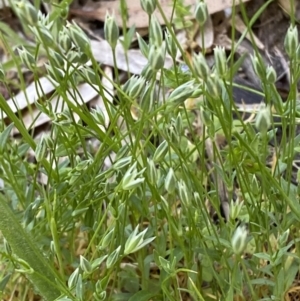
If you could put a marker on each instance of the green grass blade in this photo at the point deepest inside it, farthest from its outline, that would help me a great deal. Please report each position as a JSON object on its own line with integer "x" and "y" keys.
{"x": 44, "y": 278}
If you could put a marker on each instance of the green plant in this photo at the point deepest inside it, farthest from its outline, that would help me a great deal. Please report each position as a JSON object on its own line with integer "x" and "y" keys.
{"x": 138, "y": 227}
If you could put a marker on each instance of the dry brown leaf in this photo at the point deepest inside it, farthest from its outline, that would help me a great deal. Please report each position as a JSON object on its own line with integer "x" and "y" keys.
{"x": 84, "y": 94}
{"x": 136, "y": 61}
{"x": 4, "y": 3}
{"x": 286, "y": 6}
{"x": 32, "y": 93}
{"x": 241, "y": 28}
{"x": 103, "y": 54}
{"x": 137, "y": 17}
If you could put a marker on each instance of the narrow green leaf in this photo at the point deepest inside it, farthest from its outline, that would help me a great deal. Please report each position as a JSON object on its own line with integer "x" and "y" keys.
{"x": 143, "y": 295}
{"x": 44, "y": 278}
{"x": 4, "y": 281}
{"x": 4, "y": 136}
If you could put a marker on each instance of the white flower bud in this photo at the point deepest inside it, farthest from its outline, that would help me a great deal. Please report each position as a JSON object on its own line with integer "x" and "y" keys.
{"x": 291, "y": 41}
{"x": 239, "y": 239}
{"x": 235, "y": 209}
{"x": 79, "y": 38}
{"x": 148, "y": 6}
{"x": 181, "y": 93}
{"x": 259, "y": 67}
{"x": 64, "y": 40}
{"x": 27, "y": 58}
{"x": 201, "y": 13}
{"x": 27, "y": 11}
{"x": 111, "y": 31}
{"x": 263, "y": 119}
{"x": 214, "y": 86}
{"x": 220, "y": 60}
{"x": 200, "y": 65}
{"x": 157, "y": 56}
{"x": 271, "y": 75}
{"x": 171, "y": 45}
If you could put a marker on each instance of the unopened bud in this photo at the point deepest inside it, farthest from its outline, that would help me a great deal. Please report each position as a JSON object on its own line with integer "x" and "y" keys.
{"x": 259, "y": 67}
{"x": 148, "y": 73}
{"x": 134, "y": 87}
{"x": 239, "y": 239}
{"x": 27, "y": 58}
{"x": 79, "y": 38}
{"x": 43, "y": 36}
{"x": 235, "y": 209}
{"x": 178, "y": 124}
{"x": 56, "y": 73}
{"x": 214, "y": 86}
{"x": 64, "y": 12}
{"x": 200, "y": 65}
{"x": 64, "y": 40}
{"x": 77, "y": 57}
{"x": 91, "y": 75}
{"x": 181, "y": 93}
{"x": 111, "y": 31}
{"x": 27, "y": 11}
{"x": 263, "y": 119}
{"x": 148, "y": 6}
{"x": 171, "y": 45}
{"x": 291, "y": 41}
{"x": 44, "y": 20}
{"x": 271, "y": 75}
{"x": 254, "y": 186}
{"x": 98, "y": 115}
{"x": 56, "y": 58}
{"x": 148, "y": 98}
{"x": 157, "y": 56}
{"x": 201, "y": 13}
{"x": 220, "y": 61}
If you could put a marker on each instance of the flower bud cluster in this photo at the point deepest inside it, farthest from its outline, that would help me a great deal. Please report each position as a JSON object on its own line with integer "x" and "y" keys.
{"x": 67, "y": 46}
